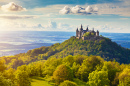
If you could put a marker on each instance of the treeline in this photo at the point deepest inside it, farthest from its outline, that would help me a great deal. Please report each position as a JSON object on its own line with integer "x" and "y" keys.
{"x": 93, "y": 70}
{"x": 104, "y": 47}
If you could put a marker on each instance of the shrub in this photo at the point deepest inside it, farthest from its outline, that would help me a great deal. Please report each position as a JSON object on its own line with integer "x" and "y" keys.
{"x": 68, "y": 83}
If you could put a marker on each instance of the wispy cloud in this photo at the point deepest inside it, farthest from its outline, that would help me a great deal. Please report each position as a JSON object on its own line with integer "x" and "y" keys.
{"x": 123, "y": 18}
{"x": 18, "y": 16}
{"x": 108, "y": 28}
{"x": 122, "y": 8}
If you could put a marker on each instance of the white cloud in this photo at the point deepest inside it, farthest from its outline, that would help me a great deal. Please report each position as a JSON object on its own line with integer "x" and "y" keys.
{"x": 52, "y": 24}
{"x": 78, "y": 10}
{"x": 65, "y": 27}
{"x": 9, "y": 25}
{"x": 121, "y": 8}
{"x": 20, "y": 26}
{"x": 91, "y": 9}
{"x": 38, "y": 26}
{"x": 65, "y": 10}
{"x": 12, "y": 7}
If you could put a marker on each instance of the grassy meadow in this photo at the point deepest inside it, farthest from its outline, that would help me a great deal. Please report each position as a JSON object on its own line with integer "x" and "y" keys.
{"x": 41, "y": 81}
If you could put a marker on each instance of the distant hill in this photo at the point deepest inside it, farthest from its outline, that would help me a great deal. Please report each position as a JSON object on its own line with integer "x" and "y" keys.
{"x": 103, "y": 47}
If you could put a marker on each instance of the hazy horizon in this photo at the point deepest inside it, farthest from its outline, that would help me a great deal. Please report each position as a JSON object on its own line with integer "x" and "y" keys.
{"x": 15, "y": 42}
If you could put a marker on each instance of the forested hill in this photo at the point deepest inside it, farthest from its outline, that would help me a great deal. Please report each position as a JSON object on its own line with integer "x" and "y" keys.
{"x": 104, "y": 47}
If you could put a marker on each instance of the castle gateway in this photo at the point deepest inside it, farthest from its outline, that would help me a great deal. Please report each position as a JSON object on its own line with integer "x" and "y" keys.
{"x": 86, "y": 34}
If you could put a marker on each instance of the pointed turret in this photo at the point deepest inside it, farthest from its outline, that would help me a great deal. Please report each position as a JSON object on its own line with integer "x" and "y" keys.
{"x": 77, "y": 32}
{"x": 77, "y": 29}
{"x": 81, "y": 27}
{"x": 87, "y": 29}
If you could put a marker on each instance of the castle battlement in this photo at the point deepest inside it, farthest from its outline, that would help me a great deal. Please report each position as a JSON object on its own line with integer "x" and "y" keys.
{"x": 80, "y": 33}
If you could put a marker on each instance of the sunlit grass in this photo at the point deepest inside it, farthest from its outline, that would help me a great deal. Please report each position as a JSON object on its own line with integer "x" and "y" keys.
{"x": 40, "y": 81}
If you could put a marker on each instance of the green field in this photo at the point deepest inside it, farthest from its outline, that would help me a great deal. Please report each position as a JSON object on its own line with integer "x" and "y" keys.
{"x": 40, "y": 81}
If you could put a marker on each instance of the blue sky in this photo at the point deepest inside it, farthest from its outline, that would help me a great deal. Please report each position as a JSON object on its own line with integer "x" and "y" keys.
{"x": 43, "y": 3}
{"x": 65, "y": 15}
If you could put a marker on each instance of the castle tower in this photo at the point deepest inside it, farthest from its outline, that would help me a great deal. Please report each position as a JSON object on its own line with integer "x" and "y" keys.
{"x": 77, "y": 32}
{"x": 87, "y": 29}
{"x": 81, "y": 27}
{"x": 80, "y": 32}
{"x": 97, "y": 33}
{"x": 93, "y": 29}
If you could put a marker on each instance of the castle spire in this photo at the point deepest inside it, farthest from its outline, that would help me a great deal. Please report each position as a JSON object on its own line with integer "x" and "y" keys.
{"x": 77, "y": 29}
{"x": 87, "y": 28}
{"x": 81, "y": 27}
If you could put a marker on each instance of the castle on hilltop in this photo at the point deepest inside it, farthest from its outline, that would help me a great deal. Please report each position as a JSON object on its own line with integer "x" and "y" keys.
{"x": 80, "y": 33}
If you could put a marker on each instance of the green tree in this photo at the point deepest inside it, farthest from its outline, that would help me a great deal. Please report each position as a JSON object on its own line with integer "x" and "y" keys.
{"x": 90, "y": 64}
{"x": 79, "y": 59}
{"x": 10, "y": 74}
{"x": 75, "y": 68}
{"x": 112, "y": 68}
{"x": 62, "y": 73}
{"x": 5, "y": 82}
{"x": 124, "y": 77}
{"x": 23, "y": 78}
{"x": 98, "y": 78}
{"x": 69, "y": 60}
{"x": 2, "y": 66}
{"x": 50, "y": 65}
{"x": 23, "y": 68}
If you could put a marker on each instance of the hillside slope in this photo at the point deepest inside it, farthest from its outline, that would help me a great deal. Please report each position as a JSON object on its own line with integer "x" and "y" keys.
{"x": 104, "y": 47}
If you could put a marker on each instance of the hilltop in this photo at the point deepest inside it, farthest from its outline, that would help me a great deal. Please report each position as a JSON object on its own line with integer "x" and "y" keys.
{"x": 103, "y": 47}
